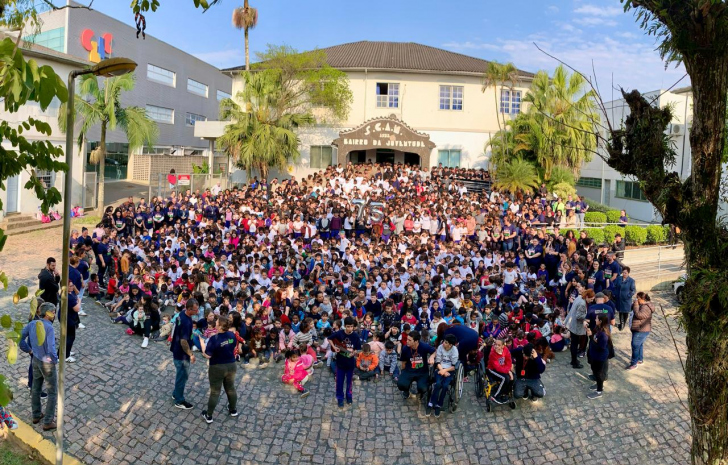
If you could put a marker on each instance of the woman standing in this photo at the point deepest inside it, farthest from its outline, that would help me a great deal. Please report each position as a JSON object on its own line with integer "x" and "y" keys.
{"x": 599, "y": 354}
{"x": 641, "y": 327}
{"x": 220, "y": 349}
{"x": 575, "y": 322}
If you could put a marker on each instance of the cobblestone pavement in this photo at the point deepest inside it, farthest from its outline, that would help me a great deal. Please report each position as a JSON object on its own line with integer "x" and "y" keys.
{"x": 120, "y": 411}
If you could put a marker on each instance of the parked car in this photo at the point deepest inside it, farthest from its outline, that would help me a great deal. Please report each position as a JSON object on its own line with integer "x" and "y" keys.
{"x": 678, "y": 287}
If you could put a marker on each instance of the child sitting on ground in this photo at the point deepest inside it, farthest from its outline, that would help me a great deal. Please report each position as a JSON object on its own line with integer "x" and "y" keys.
{"x": 296, "y": 372}
{"x": 557, "y": 342}
{"x": 93, "y": 287}
{"x": 367, "y": 363}
{"x": 389, "y": 360}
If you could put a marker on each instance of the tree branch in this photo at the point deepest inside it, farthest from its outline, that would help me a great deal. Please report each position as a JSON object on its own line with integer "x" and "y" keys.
{"x": 56, "y": 8}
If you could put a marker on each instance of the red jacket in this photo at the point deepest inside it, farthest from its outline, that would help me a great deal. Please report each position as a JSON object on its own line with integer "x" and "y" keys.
{"x": 500, "y": 363}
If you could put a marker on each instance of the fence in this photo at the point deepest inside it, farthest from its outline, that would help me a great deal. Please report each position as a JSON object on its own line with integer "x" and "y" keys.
{"x": 651, "y": 266}
{"x": 159, "y": 186}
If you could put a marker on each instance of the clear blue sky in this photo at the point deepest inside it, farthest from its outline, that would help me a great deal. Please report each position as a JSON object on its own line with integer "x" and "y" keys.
{"x": 576, "y": 31}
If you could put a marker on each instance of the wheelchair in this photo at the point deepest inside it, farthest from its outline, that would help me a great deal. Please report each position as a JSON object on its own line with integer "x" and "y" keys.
{"x": 454, "y": 390}
{"x": 484, "y": 387}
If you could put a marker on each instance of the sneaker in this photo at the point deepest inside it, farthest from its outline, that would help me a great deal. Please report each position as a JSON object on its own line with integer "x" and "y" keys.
{"x": 578, "y": 366}
{"x": 233, "y": 413}
{"x": 71, "y": 354}
{"x": 70, "y": 360}
{"x": 405, "y": 395}
{"x": 640, "y": 362}
{"x": 12, "y": 424}
{"x": 82, "y": 313}
{"x": 341, "y": 404}
{"x": 81, "y": 326}
{"x": 278, "y": 358}
{"x": 428, "y": 410}
{"x": 207, "y": 418}
{"x": 631, "y": 367}
{"x": 43, "y": 395}
{"x": 349, "y": 401}
{"x": 619, "y": 326}
{"x": 592, "y": 378}
{"x": 184, "y": 405}
{"x": 593, "y": 387}
{"x": 582, "y": 354}
{"x": 533, "y": 399}
{"x": 263, "y": 365}
{"x": 305, "y": 393}
{"x": 195, "y": 349}
{"x": 318, "y": 364}
{"x": 437, "y": 412}
{"x": 145, "y": 343}
{"x": 595, "y": 395}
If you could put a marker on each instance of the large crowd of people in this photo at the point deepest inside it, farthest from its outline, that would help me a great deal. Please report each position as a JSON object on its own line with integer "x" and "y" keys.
{"x": 375, "y": 271}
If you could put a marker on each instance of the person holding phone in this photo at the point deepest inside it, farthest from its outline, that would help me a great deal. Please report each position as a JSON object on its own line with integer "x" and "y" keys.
{"x": 599, "y": 353}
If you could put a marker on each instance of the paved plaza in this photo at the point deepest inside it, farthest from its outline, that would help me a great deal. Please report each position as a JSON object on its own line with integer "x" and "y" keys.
{"x": 119, "y": 408}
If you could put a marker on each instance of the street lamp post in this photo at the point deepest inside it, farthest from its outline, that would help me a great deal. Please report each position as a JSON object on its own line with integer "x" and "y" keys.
{"x": 108, "y": 68}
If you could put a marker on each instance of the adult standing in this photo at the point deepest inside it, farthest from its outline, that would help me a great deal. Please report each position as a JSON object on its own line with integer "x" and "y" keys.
{"x": 599, "y": 354}
{"x": 44, "y": 365}
{"x": 72, "y": 322}
{"x": 575, "y": 324}
{"x": 48, "y": 282}
{"x": 220, "y": 350}
{"x": 624, "y": 290}
{"x": 74, "y": 275}
{"x": 102, "y": 258}
{"x": 415, "y": 365}
{"x": 641, "y": 327}
{"x": 181, "y": 348}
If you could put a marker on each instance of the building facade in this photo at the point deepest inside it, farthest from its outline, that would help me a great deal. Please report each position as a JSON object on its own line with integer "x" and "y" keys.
{"x": 176, "y": 88}
{"x": 411, "y": 104}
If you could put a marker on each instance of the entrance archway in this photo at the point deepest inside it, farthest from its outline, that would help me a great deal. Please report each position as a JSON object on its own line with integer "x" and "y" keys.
{"x": 412, "y": 159}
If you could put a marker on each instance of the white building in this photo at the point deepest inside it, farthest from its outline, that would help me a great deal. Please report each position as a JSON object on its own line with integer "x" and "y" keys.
{"x": 412, "y": 104}
{"x": 604, "y": 184}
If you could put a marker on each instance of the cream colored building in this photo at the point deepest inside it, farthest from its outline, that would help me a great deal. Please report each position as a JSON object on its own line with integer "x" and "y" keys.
{"x": 412, "y": 104}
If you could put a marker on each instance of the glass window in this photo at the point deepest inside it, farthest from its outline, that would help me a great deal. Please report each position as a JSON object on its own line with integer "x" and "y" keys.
{"x": 595, "y": 183}
{"x": 449, "y": 158}
{"x": 321, "y": 156}
{"x": 55, "y": 39}
{"x": 160, "y": 114}
{"x": 222, "y": 95}
{"x": 161, "y": 75}
{"x": 630, "y": 190}
{"x": 387, "y": 95}
{"x": 515, "y": 102}
{"x": 451, "y": 97}
{"x": 45, "y": 177}
{"x": 192, "y": 118}
{"x": 505, "y": 101}
{"x": 197, "y": 87}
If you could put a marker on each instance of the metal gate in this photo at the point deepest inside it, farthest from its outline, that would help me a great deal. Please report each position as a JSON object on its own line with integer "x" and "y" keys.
{"x": 161, "y": 187}
{"x": 11, "y": 205}
{"x": 89, "y": 190}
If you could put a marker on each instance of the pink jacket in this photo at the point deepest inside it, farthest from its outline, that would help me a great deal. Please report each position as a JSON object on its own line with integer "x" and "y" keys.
{"x": 282, "y": 340}
{"x": 300, "y": 369}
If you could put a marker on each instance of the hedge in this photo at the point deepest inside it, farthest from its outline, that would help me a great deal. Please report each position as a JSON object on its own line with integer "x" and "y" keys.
{"x": 613, "y": 216}
{"x": 610, "y": 231}
{"x": 636, "y": 235}
{"x": 595, "y": 206}
{"x": 596, "y": 234}
{"x": 657, "y": 234}
{"x": 595, "y": 217}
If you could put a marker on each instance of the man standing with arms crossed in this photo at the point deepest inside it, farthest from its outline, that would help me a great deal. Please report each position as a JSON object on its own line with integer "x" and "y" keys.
{"x": 181, "y": 348}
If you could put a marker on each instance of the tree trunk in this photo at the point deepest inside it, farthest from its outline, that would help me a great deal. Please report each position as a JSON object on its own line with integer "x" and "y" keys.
{"x": 102, "y": 167}
{"x": 247, "y": 51}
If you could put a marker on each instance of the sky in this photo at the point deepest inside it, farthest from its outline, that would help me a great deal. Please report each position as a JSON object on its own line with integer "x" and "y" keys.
{"x": 595, "y": 37}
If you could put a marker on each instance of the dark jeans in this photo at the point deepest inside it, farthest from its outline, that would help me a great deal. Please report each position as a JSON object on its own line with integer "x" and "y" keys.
{"x": 440, "y": 388}
{"x": 533, "y": 385}
{"x": 219, "y": 376}
{"x": 408, "y": 376}
{"x": 623, "y": 318}
{"x": 30, "y": 372}
{"x": 180, "y": 381}
{"x": 599, "y": 369}
{"x": 147, "y": 329}
{"x": 364, "y": 375}
{"x": 70, "y": 338}
{"x": 44, "y": 371}
{"x": 344, "y": 376}
{"x": 504, "y": 384}
{"x": 575, "y": 343}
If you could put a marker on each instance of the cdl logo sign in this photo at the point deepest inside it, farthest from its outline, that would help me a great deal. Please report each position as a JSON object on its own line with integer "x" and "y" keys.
{"x": 99, "y": 47}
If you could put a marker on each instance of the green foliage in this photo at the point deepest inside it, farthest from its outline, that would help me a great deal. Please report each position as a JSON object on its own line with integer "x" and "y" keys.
{"x": 563, "y": 190}
{"x": 656, "y": 234}
{"x": 613, "y": 216}
{"x": 6, "y": 321}
{"x": 204, "y": 169}
{"x": 566, "y": 230}
{"x": 560, "y": 175}
{"x": 6, "y": 394}
{"x": 636, "y": 235}
{"x": 597, "y": 234}
{"x": 518, "y": 174}
{"x": 595, "y": 217}
{"x": 595, "y": 206}
{"x": 610, "y": 231}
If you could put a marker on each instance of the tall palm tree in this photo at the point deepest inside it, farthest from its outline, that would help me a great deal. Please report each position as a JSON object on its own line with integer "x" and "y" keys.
{"x": 517, "y": 174}
{"x": 245, "y": 18}
{"x": 498, "y": 75}
{"x": 101, "y": 105}
{"x": 262, "y": 134}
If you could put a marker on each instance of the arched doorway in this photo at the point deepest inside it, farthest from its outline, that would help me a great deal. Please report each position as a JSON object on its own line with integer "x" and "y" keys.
{"x": 385, "y": 156}
{"x": 412, "y": 159}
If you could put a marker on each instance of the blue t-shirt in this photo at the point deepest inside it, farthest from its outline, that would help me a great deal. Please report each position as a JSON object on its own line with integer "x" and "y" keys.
{"x": 352, "y": 343}
{"x": 75, "y": 276}
{"x": 83, "y": 269}
{"x": 182, "y": 331}
{"x": 73, "y": 318}
{"x": 418, "y": 360}
{"x": 221, "y": 348}
{"x": 598, "y": 309}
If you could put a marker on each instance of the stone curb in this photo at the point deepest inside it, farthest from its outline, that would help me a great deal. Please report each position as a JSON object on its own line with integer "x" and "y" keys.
{"x": 45, "y": 447}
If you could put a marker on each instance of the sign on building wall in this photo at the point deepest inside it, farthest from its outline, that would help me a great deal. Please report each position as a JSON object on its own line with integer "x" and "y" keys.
{"x": 98, "y": 47}
{"x": 183, "y": 180}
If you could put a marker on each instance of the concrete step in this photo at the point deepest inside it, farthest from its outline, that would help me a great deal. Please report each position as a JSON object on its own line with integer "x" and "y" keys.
{"x": 28, "y": 222}
{"x": 37, "y": 227}
{"x": 17, "y": 218}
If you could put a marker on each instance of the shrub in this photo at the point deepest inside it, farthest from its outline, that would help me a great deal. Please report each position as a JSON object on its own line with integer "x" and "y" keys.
{"x": 657, "y": 234}
{"x": 636, "y": 235}
{"x": 560, "y": 175}
{"x": 595, "y": 206}
{"x": 595, "y": 217}
{"x": 613, "y": 216}
{"x": 610, "y": 231}
{"x": 563, "y": 190}
{"x": 596, "y": 234}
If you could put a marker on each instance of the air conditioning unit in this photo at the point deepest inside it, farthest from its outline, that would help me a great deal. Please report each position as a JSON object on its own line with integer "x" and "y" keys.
{"x": 677, "y": 129}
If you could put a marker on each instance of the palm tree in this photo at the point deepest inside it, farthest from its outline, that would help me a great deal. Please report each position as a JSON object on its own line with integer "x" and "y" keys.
{"x": 517, "y": 174}
{"x": 497, "y": 74}
{"x": 101, "y": 105}
{"x": 262, "y": 134}
{"x": 245, "y": 18}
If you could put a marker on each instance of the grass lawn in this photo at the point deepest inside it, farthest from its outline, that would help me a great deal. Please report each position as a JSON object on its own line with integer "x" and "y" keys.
{"x": 12, "y": 454}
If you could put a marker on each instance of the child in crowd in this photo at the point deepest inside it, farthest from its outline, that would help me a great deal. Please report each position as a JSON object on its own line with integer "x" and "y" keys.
{"x": 557, "y": 342}
{"x": 367, "y": 364}
{"x": 346, "y": 344}
{"x": 389, "y": 360}
{"x": 94, "y": 290}
{"x": 296, "y": 372}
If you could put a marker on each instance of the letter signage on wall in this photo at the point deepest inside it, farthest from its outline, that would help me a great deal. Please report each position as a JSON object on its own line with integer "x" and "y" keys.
{"x": 98, "y": 47}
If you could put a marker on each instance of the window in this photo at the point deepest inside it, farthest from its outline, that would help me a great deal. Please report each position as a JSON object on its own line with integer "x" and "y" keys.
{"x": 45, "y": 177}
{"x": 33, "y": 108}
{"x": 451, "y": 97}
{"x": 321, "y": 156}
{"x": 222, "y": 95}
{"x": 55, "y": 39}
{"x": 449, "y": 158}
{"x": 192, "y": 118}
{"x": 594, "y": 183}
{"x": 161, "y": 75}
{"x": 510, "y": 101}
{"x": 387, "y": 95}
{"x": 630, "y": 190}
{"x": 160, "y": 114}
{"x": 197, "y": 87}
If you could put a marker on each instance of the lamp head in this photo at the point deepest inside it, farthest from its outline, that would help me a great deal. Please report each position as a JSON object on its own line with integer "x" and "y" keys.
{"x": 113, "y": 67}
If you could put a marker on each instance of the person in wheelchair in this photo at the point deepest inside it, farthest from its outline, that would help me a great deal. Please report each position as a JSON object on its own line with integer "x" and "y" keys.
{"x": 499, "y": 371}
{"x": 415, "y": 364}
{"x": 467, "y": 342}
{"x": 446, "y": 359}
{"x": 529, "y": 367}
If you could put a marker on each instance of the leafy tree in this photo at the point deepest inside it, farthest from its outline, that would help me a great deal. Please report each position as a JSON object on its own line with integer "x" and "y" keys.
{"x": 102, "y": 106}
{"x": 245, "y": 18}
{"x": 517, "y": 175}
{"x": 498, "y": 75}
{"x": 262, "y": 134}
{"x": 696, "y": 33}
